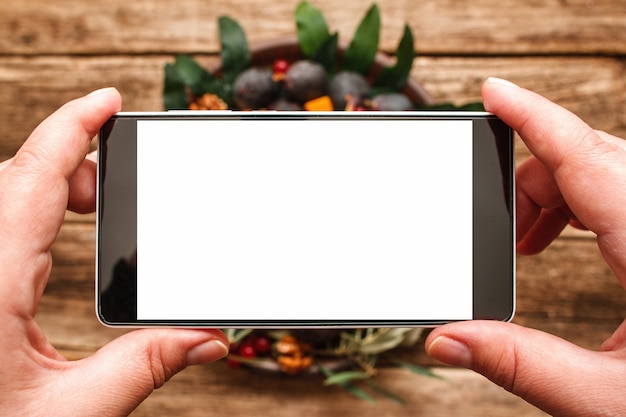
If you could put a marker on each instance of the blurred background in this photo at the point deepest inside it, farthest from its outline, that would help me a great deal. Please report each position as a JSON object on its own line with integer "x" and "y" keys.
{"x": 569, "y": 51}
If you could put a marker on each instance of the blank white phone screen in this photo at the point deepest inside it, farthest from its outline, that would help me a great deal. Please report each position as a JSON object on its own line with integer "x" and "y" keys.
{"x": 304, "y": 220}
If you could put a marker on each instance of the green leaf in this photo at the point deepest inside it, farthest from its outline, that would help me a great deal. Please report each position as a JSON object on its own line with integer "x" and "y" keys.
{"x": 345, "y": 377}
{"x": 351, "y": 388}
{"x": 236, "y": 335}
{"x": 362, "y": 49}
{"x": 385, "y": 392}
{"x": 395, "y": 77}
{"x": 249, "y": 361}
{"x": 235, "y": 52}
{"x": 198, "y": 79}
{"x": 358, "y": 392}
{"x": 311, "y": 28}
{"x": 326, "y": 55}
{"x": 416, "y": 369}
{"x": 383, "y": 340}
{"x": 474, "y": 106}
{"x": 174, "y": 91}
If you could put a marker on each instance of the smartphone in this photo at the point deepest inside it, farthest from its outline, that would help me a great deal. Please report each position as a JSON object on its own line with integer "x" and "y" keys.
{"x": 277, "y": 219}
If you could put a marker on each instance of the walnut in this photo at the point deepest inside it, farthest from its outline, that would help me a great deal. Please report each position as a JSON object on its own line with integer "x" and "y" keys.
{"x": 208, "y": 102}
{"x": 293, "y": 355}
{"x": 294, "y": 365}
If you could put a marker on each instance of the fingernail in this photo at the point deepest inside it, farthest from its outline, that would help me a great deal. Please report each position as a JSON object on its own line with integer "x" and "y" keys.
{"x": 501, "y": 81}
{"x": 451, "y": 351}
{"x": 207, "y": 352}
{"x": 100, "y": 91}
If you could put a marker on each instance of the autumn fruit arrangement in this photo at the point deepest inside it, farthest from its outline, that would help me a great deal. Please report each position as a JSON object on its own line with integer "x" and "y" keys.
{"x": 345, "y": 358}
{"x": 321, "y": 76}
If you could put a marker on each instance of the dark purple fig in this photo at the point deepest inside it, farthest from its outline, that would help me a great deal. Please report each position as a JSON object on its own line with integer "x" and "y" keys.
{"x": 347, "y": 85}
{"x": 305, "y": 80}
{"x": 283, "y": 104}
{"x": 255, "y": 88}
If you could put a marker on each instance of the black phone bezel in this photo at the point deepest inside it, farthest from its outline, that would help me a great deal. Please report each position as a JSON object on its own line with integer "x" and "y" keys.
{"x": 493, "y": 246}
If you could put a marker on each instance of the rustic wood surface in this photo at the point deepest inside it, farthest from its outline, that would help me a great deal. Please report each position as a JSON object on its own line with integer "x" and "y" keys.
{"x": 570, "y": 51}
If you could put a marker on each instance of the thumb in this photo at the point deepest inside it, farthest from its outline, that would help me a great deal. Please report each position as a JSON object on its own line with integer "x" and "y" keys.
{"x": 554, "y": 375}
{"x": 115, "y": 380}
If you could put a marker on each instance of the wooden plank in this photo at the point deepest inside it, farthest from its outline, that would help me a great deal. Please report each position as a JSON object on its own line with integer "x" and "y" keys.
{"x": 219, "y": 391}
{"x": 593, "y": 88}
{"x": 441, "y": 28}
{"x": 33, "y": 87}
{"x": 569, "y": 291}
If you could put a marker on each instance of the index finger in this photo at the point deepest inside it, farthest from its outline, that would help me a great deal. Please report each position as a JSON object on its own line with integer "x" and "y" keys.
{"x": 60, "y": 143}
{"x": 35, "y": 191}
{"x": 35, "y": 181}
{"x": 589, "y": 170}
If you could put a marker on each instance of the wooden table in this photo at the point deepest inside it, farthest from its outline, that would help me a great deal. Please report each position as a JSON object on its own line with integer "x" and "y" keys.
{"x": 570, "y": 51}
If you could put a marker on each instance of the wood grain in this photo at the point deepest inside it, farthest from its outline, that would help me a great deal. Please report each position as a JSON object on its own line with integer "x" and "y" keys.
{"x": 594, "y": 88}
{"x": 441, "y": 28}
{"x": 571, "y": 51}
{"x": 222, "y": 392}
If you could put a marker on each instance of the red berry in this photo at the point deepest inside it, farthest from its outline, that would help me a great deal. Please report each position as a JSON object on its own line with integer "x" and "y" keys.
{"x": 247, "y": 351}
{"x": 233, "y": 364}
{"x": 280, "y": 66}
{"x": 262, "y": 345}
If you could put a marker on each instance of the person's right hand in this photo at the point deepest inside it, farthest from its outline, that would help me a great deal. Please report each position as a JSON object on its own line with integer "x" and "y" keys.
{"x": 577, "y": 175}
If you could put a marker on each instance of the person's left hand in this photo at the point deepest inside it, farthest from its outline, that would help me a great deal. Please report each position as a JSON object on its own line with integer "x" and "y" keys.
{"x": 49, "y": 174}
{"x": 576, "y": 176}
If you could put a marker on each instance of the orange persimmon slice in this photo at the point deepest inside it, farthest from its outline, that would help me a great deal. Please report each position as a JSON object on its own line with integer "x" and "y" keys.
{"x": 322, "y": 103}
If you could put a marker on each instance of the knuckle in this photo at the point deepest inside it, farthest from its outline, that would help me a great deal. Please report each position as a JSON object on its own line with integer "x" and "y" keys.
{"x": 156, "y": 364}
{"x": 162, "y": 363}
{"x": 502, "y": 368}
